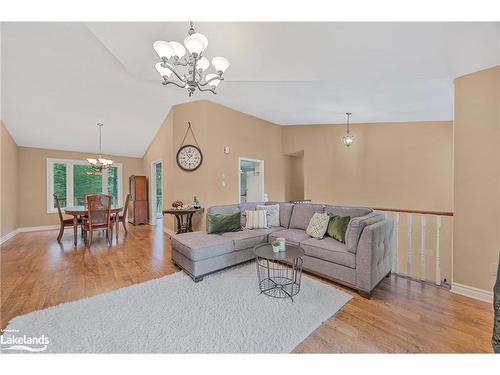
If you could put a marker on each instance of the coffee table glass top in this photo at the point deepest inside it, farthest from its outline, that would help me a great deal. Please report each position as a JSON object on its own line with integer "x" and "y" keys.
{"x": 266, "y": 251}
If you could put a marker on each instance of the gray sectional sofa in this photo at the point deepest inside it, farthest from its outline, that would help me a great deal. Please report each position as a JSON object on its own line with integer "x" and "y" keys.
{"x": 361, "y": 263}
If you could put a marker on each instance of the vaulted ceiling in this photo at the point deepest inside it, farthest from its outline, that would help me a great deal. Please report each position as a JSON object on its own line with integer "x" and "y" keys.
{"x": 60, "y": 79}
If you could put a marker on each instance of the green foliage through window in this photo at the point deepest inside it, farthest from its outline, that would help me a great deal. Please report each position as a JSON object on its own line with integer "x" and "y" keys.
{"x": 60, "y": 183}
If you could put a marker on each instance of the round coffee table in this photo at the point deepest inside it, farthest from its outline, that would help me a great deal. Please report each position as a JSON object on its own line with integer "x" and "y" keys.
{"x": 279, "y": 273}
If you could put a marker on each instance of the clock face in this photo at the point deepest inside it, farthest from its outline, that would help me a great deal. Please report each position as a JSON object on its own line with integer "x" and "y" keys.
{"x": 189, "y": 158}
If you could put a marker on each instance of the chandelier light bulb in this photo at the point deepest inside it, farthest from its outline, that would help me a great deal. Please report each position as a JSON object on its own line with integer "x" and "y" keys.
{"x": 194, "y": 44}
{"x": 203, "y": 39}
{"x": 213, "y": 83}
{"x": 163, "y": 49}
{"x": 202, "y": 64}
{"x": 179, "y": 49}
{"x": 220, "y": 64}
{"x": 162, "y": 70}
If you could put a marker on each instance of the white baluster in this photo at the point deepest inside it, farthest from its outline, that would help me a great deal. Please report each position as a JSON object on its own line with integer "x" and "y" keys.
{"x": 395, "y": 257}
{"x": 423, "y": 231}
{"x": 409, "y": 255}
{"x": 438, "y": 250}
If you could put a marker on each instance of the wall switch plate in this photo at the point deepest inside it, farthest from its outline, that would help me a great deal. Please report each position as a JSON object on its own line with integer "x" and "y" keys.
{"x": 223, "y": 183}
{"x": 226, "y": 150}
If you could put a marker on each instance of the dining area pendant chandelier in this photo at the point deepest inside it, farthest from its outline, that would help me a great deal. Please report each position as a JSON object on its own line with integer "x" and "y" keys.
{"x": 99, "y": 163}
{"x": 188, "y": 69}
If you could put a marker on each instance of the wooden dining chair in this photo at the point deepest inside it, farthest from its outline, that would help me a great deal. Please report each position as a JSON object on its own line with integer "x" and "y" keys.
{"x": 123, "y": 218}
{"x": 99, "y": 210}
{"x": 63, "y": 222}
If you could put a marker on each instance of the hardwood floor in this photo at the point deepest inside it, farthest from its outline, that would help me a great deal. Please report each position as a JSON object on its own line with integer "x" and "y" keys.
{"x": 403, "y": 316}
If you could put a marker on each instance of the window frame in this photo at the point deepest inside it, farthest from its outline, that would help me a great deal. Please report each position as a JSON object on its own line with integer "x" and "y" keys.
{"x": 69, "y": 181}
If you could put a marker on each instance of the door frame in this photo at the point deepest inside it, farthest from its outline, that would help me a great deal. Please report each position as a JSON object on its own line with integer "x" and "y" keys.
{"x": 262, "y": 179}
{"x": 152, "y": 189}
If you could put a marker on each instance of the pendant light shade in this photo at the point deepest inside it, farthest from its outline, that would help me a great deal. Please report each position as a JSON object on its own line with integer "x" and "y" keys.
{"x": 163, "y": 49}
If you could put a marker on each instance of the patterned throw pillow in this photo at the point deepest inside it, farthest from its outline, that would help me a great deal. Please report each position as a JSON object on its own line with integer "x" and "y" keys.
{"x": 273, "y": 214}
{"x": 256, "y": 219}
{"x": 318, "y": 225}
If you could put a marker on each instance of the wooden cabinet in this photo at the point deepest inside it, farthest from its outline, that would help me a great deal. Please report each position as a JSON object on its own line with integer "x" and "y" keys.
{"x": 138, "y": 204}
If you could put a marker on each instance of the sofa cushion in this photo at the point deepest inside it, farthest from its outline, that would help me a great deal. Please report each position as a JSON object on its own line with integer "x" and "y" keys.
{"x": 356, "y": 226}
{"x": 285, "y": 212}
{"x": 330, "y": 250}
{"x": 201, "y": 245}
{"x": 337, "y": 227}
{"x": 220, "y": 223}
{"x": 256, "y": 219}
{"x": 225, "y": 209}
{"x": 318, "y": 225}
{"x": 247, "y": 238}
{"x": 273, "y": 213}
{"x": 251, "y": 206}
{"x": 352, "y": 211}
{"x": 291, "y": 236}
{"x": 302, "y": 214}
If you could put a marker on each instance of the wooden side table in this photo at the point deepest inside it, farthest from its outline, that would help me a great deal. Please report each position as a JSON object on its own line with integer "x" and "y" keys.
{"x": 184, "y": 218}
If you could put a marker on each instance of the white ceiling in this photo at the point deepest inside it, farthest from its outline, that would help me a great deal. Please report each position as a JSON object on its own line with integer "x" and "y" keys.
{"x": 60, "y": 79}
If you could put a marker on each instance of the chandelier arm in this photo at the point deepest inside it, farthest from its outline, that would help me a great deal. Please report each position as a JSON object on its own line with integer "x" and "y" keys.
{"x": 210, "y": 80}
{"x": 202, "y": 89}
{"x": 178, "y": 76}
{"x": 180, "y": 62}
{"x": 166, "y": 82}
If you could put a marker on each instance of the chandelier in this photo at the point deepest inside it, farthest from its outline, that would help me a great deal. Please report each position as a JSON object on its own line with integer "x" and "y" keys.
{"x": 174, "y": 57}
{"x": 347, "y": 139}
{"x": 99, "y": 164}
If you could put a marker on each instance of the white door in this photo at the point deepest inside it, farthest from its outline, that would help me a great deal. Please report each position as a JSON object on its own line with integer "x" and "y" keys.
{"x": 254, "y": 192}
{"x": 251, "y": 180}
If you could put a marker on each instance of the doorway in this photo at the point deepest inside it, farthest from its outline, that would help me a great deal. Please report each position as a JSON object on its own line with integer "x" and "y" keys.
{"x": 156, "y": 187}
{"x": 251, "y": 180}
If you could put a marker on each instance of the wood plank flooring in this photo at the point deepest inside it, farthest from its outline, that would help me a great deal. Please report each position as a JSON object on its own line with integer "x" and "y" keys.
{"x": 403, "y": 316}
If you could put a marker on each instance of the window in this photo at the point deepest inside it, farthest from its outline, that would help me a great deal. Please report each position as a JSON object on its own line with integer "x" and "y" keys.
{"x": 71, "y": 180}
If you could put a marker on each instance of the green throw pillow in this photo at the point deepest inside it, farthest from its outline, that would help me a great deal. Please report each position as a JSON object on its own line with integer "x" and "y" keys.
{"x": 337, "y": 227}
{"x": 220, "y": 223}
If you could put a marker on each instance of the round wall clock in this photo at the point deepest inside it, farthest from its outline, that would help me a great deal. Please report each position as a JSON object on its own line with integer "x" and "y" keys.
{"x": 189, "y": 158}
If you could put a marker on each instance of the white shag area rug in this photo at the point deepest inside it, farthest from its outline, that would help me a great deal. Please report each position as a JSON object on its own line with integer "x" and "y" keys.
{"x": 224, "y": 313}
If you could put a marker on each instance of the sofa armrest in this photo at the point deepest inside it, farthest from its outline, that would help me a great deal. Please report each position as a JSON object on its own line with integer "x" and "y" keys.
{"x": 374, "y": 254}
{"x": 356, "y": 226}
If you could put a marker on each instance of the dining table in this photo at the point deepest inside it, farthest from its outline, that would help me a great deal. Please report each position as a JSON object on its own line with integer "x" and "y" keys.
{"x": 79, "y": 211}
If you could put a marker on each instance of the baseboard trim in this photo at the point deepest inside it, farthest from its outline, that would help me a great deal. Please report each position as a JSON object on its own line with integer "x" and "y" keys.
{"x": 12, "y": 234}
{"x": 37, "y": 229}
{"x": 470, "y": 291}
{"x": 8, "y": 236}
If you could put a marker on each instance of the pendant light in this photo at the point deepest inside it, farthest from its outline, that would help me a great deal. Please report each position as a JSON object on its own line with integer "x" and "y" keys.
{"x": 347, "y": 139}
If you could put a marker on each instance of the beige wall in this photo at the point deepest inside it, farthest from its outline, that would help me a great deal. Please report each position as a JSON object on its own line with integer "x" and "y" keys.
{"x": 393, "y": 165}
{"x": 390, "y": 165}
{"x": 476, "y": 237}
{"x": 215, "y": 126}
{"x": 9, "y": 182}
{"x": 33, "y": 182}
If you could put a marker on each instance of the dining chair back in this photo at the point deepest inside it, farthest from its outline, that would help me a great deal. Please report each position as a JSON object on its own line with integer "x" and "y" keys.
{"x": 99, "y": 216}
{"x": 58, "y": 206}
{"x": 99, "y": 209}
{"x": 62, "y": 221}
